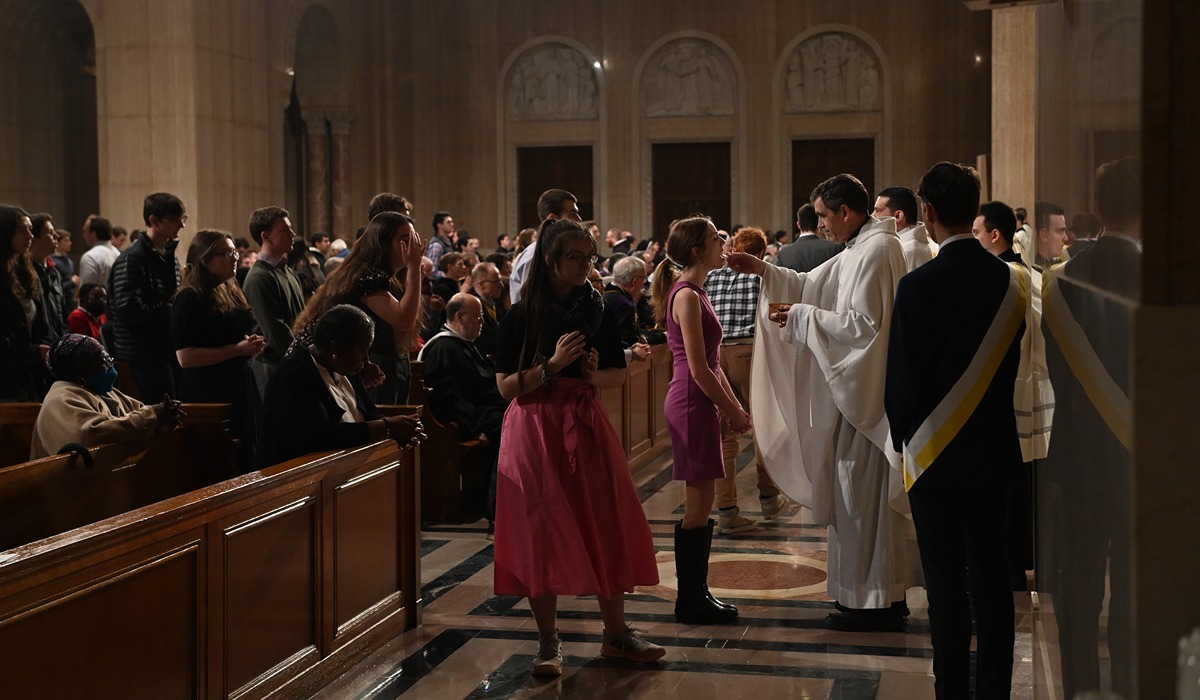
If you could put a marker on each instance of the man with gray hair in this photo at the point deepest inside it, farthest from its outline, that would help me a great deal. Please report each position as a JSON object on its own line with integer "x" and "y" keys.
{"x": 625, "y": 295}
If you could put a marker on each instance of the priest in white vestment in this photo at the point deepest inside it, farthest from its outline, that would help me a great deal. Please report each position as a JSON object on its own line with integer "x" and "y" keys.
{"x": 900, "y": 203}
{"x": 817, "y": 401}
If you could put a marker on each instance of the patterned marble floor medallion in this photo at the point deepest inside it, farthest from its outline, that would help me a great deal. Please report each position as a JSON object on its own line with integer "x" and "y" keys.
{"x": 754, "y": 575}
{"x": 473, "y": 644}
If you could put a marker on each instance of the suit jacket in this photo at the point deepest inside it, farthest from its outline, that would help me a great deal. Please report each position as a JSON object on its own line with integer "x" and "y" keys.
{"x": 300, "y": 416}
{"x": 807, "y": 252}
{"x": 943, "y": 310}
{"x": 488, "y": 334}
{"x": 623, "y": 246}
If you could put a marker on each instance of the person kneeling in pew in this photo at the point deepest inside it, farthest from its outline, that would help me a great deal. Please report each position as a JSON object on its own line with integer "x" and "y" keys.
{"x": 317, "y": 399}
{"x": 82, "y": 407}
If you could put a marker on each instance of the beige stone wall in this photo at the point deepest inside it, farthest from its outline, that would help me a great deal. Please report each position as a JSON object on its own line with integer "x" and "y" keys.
{"x": 450, "y": 146}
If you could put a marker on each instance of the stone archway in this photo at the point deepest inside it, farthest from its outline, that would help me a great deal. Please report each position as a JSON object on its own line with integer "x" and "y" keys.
{"x": 321, "y": 93}
{"x": 48, "y": 132}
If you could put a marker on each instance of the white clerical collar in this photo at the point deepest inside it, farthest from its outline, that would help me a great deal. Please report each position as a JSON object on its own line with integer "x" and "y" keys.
{"x": 957, "y": 237}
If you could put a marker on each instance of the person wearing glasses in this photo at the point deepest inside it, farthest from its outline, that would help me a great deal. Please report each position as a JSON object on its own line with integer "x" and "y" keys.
{"x": 485, "y": 283}
{"x": 568, "y": 519}
{"x": 83, "y": 408}
{"x": 140, "y": 288}
{"x": 213, "y": 331}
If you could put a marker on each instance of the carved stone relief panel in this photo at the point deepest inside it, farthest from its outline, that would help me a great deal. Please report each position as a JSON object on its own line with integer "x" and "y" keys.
{"x": 551, "y": 82}
{"x": 832, "y": 72}
{"x": 689, "y": 78}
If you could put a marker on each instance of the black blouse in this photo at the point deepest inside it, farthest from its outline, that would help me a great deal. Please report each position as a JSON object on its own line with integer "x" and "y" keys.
{"x": 607, "y": 341}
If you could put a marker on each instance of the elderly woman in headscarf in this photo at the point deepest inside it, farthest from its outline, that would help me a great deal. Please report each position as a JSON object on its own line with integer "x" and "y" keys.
{"x": 84, "y": 408}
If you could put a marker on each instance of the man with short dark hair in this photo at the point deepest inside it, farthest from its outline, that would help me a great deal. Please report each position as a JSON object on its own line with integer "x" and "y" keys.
{"x": 901, "y": 204}
{"x": 442, "y": 241}
{"x": 388, "y": 201}
{"x": 995, "y": 228}
{"x": 462, "y": 381}
{"x": 66, "y": 269}
{"x": 272, "y": 288}
{"x": 620, "y": 241}
{"x": 318, "y": 245}
{"x": 1051, "y": 235}
{"x": 950, "y": 405}
{"x": 1088, "y": 316}
{"x": 141, "y": 286}
{"x": 97, "y": 262}
{"x": 552, "y": 204}
{"x": 809, "y": 249}
{"x": 824, "y": 435}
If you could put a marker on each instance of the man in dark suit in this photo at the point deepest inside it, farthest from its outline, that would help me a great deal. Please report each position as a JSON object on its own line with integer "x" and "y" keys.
{"x": 960, "y": 443}
{"x": 488, "y": 288}
{"x": 1087, "y": 317}
{"x": 809, "y": 249}
{"x": 995, "y": 228}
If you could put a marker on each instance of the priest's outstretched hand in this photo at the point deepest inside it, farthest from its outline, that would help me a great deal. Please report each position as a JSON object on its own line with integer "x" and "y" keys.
{"x": 746, "y": 263}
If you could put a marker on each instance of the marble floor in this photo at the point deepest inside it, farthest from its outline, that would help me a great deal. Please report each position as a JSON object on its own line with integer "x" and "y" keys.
{"x": 475, "y": 645}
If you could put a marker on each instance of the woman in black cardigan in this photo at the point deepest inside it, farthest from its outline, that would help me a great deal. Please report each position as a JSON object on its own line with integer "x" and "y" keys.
{"x": 316, "y": 401}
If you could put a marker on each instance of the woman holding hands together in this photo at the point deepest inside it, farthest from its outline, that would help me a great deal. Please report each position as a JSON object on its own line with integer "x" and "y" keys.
{"x": 699, "y": 394}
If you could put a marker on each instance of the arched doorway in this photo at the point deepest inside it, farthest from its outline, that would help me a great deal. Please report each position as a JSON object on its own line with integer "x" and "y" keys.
{"x": 48, "y": 132}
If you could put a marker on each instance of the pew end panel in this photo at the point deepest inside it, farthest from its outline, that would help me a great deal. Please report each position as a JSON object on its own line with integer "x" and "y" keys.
{"x": 253, "y": 587}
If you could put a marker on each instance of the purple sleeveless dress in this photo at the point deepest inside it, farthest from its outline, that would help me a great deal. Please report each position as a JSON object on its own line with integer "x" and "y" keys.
{"x": 693, "y": 420}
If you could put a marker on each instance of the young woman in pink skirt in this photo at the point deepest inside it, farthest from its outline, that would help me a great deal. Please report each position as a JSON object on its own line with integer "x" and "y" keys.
{"x": 698, "y": 395}
{"x": 568, "y": 519}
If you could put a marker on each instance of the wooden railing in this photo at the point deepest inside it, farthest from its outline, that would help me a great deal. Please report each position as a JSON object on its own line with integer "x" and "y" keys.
{"x": 636, "y": 408}
{"x": 262, "y": 585}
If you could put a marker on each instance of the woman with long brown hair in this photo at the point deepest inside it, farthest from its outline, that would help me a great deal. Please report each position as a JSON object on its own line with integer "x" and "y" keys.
{"x": 212, "y": 329}
{"x": 568, "y": 519}
{"x": 24, "y": 333}
{"x": 369, "y": 279}
{"x": 699, "y": 394}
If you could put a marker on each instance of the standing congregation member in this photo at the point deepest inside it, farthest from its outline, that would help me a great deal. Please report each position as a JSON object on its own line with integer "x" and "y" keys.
{"x": 824, "y": 435}
{"x": 442, "y": 241}
{"x": 96, "y": 264}
{"x": 369, "y": 279}
{"x": 66, "y": 269}
{"x": 142, "y": 284}
{"x": 45, "y": 240}
{"x": 953, "y": 354}
{"x": 809, "y": 249}
{"x": 272, "y": 288}
{"x": 698, "y": 397}
{"x": 568, "y": 519}
{"x": 552, "y": 204}
{"x": 24, "y": 333}
{"x": 213, "y": 331}
{"x": 734, "y": 297}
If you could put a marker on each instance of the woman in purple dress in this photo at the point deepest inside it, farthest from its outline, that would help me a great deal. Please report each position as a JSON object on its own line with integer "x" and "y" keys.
{"x": 698, "y": 396}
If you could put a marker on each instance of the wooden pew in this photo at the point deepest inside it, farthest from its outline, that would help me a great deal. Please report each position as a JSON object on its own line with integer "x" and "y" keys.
{"x": 636, "y": 407}
{"x": 455, "y": 473}
{"x": 265, "y": 585}
{"x": 52, "y": 495}
{"x": 16, "y": 431}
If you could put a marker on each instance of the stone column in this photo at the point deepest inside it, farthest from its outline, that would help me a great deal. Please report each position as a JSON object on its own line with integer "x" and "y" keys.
{"x": 1014, "y": 105}
{"x": 339, "y": 162}
{"x": 316, "y": 172}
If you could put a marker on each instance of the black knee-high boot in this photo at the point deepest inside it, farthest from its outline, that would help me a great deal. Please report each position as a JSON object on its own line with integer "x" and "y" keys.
{"x": 695, "y": 604}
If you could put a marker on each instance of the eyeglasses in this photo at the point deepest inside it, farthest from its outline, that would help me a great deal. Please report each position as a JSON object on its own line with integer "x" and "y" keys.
{"x": 232, "y": 255}
{"x": 581, "y": 258}
{"x": 106, "y": 361}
